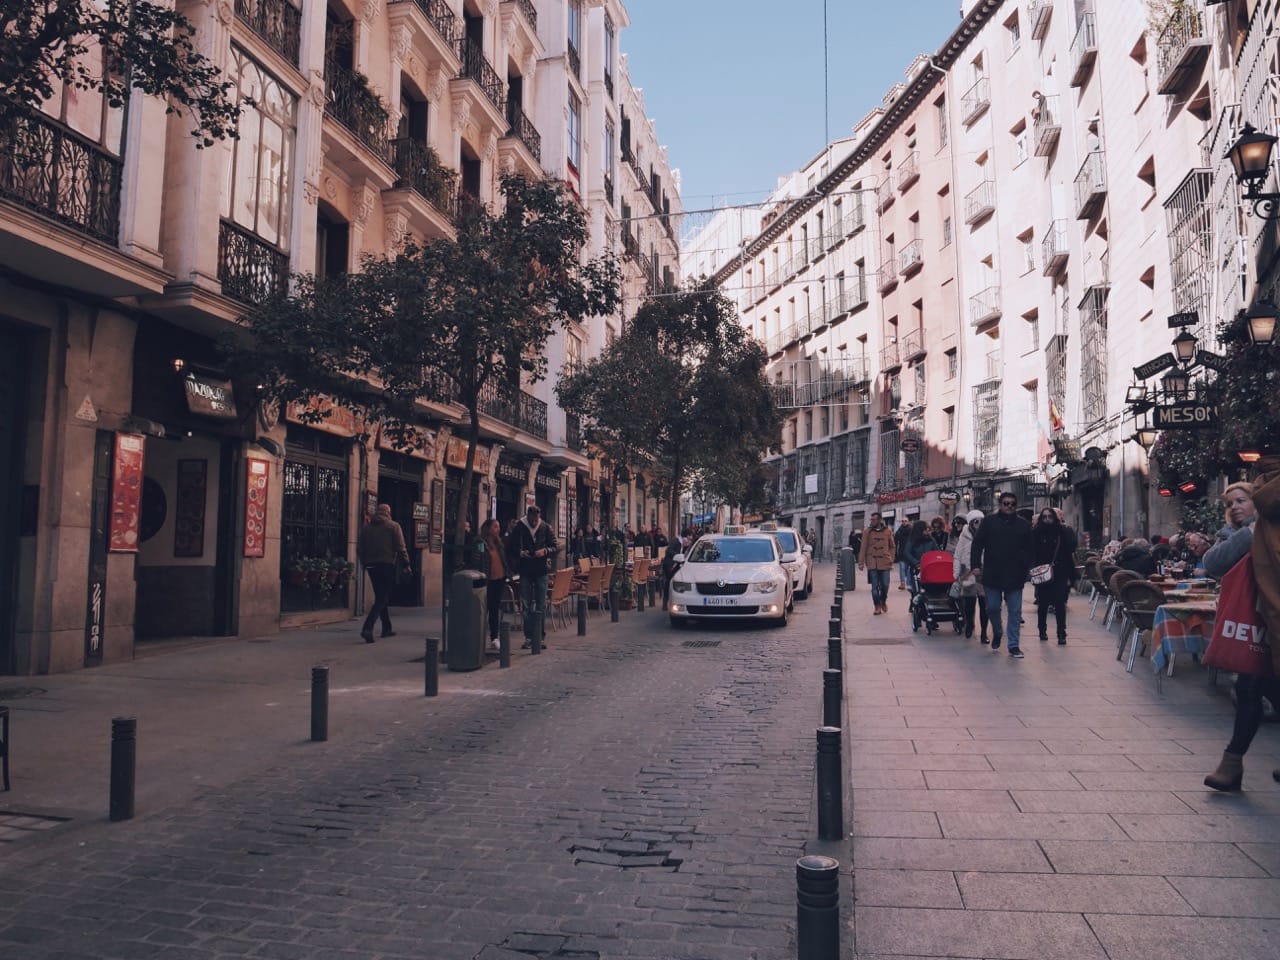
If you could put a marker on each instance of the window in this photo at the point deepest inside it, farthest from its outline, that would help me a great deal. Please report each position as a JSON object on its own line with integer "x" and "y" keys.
{"x": 1014, "y": 32}
{"x": 575, "y": 30}
{"x": 1028, "y": 243}
{"x": 572, "y": 353}
{"x": 950, "y": 414}
{"x": 574, "y": 132}
{"x": 921, "y": 383}
{"x": 1019, "y": 134}
{"x": 609, "y": 139}
{"x": 940, "y": 105}
{"x": 953, "y": 363}
{"x": 256, "y": 186}
{"x": 1033, "y": 330}
{"x": 946, "y": 232}
{"x": 610, "y": 35}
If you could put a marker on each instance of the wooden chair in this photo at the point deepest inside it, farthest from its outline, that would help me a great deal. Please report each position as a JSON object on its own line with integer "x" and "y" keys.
{"x": 606, "y": 581}
{"x": 584, "y": 564}
{"x": 589, "y": 588}
{"x": 640, "y": 575}
{"x": 1093, "y": 575}
{"x": 558, "y": 601}
{"x": 1140, "y": 598}
{"x": 1105, "y": 571}
{"x": 1116, "y": 581}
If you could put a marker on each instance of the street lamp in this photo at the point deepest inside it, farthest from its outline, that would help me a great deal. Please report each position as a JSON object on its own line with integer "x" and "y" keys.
{"x": 1176, "y": 383}
{"x": 1137, "y": 393}
{"x": 1250, "y": 456}
{"x": 1146, "y": 437}
{"x": 1184, "y": 346}
{"x": 1260, "y": 321}
{"x": 1250, "y": 157}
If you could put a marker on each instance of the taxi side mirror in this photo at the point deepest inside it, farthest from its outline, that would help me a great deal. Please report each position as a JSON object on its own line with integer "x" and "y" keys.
{"x": 807, "y": 549}
{"x": 678, "y": 558}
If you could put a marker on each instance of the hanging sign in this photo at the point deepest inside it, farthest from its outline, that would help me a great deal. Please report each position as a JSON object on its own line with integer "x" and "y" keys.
{"x": 257, "y": 478}
{"x": 209, "y": 396}
{"x": 1152, "y": 367}
{"x": 1184, "y": 416}
{"x": 1215, "y": 362}
{"x": 1036, "y": 489}
{"x": 126, "y": 493}
{"x": 948, "y": 496}
{"x": 1188, "y": 319}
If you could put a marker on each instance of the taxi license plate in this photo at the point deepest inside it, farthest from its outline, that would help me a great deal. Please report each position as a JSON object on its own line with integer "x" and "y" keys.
{"x": 718, "y": 601}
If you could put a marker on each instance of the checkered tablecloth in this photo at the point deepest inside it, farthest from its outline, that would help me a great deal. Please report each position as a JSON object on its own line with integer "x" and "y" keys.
{"x": 1181, "y": 628}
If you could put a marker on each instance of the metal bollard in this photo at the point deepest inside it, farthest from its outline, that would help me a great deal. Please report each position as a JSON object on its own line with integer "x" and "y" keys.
{"x": 504, "y": 645}
{"x": 833, "y": 627}
{"x": 831, "y": 697}
{"x": 431, "y": 668}
{"x": 830, "y": 794}
{"x": 613, "y": 606}
{"x": 835, "y": 657}
{"x": 817, "y": 908}
{"x": 653, "y": 593}
{"x": 582, "y": 615}
{"x": 539, "y": 624}
{"x": 319, "y": 703}
{"x": 639, "y": 592}
{"x": 836, "y": 610}
{"x": 124, "y": 754}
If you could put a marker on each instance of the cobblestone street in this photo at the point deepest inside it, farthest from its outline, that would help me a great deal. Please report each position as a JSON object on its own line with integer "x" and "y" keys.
{"x": 639, "y": 793}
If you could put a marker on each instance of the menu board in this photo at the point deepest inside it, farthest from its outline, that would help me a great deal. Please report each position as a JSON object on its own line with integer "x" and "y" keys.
{"x": 437, "y": 516}
{"x": 255, "y": 507}
{"x": 126, "y": 493}
{"x": 421, "y": 525}
{"x": 188, "y": 508}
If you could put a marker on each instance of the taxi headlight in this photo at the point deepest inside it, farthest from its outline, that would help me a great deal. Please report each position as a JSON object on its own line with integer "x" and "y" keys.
{"x": 680, "y": 586}
{"x": 766, "y": 586}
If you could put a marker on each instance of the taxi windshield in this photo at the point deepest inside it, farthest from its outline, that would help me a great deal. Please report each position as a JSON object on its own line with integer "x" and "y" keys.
{"x": 788, "y": 541}
{"x": 731, "y": 550}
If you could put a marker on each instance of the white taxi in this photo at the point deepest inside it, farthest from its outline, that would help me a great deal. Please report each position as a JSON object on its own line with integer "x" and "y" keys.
{"x": 731, "y": 574}
{"x": 797, "y": 557}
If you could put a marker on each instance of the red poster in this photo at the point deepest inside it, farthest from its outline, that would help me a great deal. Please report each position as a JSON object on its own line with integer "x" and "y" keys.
{"x": 126, "y": 493}
{"x": 255, "y": 508}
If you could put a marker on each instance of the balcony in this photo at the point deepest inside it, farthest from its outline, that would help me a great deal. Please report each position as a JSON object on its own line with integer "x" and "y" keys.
{"x": 984, "y": 307}
{"x": 419, "y": 169}
{"x": 521, "y": 129}
{"x": 433, "y": 31}
{"x": 817, "y": 249}
{"x": 476, "y": 68}
{"x": 529, "y": 12}
{"x": 277, "y": 22}
{"x": 1053, "y": 248}
{"x": 888, "y": 276}
{"x": 1091, "y": 185}
{"x": 853, "y": 221}
{"x": 890, "y": 359}
{"x": 911, "y": 258}
{"x": 913, "y": 345}
{"x": 249, "y": 269}
{"x": 1181, "y": 48}
{"x": 54, "y": 171}
{"x": 976, "y": 101}
{"x": 980, "y": 202}
{"x": 573, "y": 433}
{"x": 909, "y": 171}
{"x": 350, "y": 102}
{"x": 884, "y": 193}
{"x": 1040, "y": 12}
{"x": 1048, "y": 126}
{"x": 848, "y": 300}
{"x": 1084, "y": 50}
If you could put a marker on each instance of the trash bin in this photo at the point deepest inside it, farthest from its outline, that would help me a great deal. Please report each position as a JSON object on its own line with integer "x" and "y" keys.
{"x": 468, "y": 620}
{"x": 848, "y": 568}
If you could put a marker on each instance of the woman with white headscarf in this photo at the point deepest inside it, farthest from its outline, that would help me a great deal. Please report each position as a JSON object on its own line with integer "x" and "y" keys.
{"x": 970, "y": 589}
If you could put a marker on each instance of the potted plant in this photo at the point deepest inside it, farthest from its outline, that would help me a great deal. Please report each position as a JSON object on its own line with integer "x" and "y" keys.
{"x": 315, "y": 567}
{"x": 296, "y": 572}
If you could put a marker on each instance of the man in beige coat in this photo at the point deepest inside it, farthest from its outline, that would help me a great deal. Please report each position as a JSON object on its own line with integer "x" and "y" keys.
{"x": 878, "y": 550}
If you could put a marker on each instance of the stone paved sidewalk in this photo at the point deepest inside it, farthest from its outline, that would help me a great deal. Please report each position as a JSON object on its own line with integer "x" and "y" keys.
{"x": 1050, "y": 807}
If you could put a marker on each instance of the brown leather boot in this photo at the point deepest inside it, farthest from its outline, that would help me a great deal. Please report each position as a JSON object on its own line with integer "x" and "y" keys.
{"x": 1228, "y": 775}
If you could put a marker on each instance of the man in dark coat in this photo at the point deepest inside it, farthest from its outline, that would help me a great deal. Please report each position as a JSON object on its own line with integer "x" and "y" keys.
{"x": 900, "y": 538}
{"x": 531, "y": 549}
{"x": 1002, "y": 562}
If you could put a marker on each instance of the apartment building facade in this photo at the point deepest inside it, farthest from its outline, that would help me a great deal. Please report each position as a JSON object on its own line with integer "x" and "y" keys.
{"x": 149, "y": 495}
{"x": 1042, "y": 195}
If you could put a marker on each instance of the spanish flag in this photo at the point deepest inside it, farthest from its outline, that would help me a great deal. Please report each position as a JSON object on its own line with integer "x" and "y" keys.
{"x": 1055, "y": 418}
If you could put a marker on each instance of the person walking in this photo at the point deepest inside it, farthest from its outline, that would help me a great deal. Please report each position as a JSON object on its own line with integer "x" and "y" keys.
{"x": 938, "y": 531}
{"x": 1001, "y": 561}
{"x": 969, "y": 587}
{"x": 958, "y": 524}
{"x": 1053, "y": 544}
{"x": 495, "y": 562}
{"x": 1265, "y": 550}
{"x": 1235, "y": 543}
{"x": 900, "y": 538}
{"x": 530, "y": 552}
{"x": 877, "y": 557}
{"x": 381, "y": 548}
{"x": 855, "y": 544}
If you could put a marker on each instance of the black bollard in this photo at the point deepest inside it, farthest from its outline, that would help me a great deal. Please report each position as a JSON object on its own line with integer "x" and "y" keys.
{"x": 831, "y": 695}
{"x": 836, "y": 610}
{"x": 613, "y": 606}
{"x": 835, "y": 659}
{"x": 653, "y": 593}
{"x": 431, "y": 668}
{"x": 504, "y": 644}
{"x": 124, "y": 754}
{"x": 639, "y": 591}
{"x": 817, "y": 908}
{"x": 830, "y": 795}
{"x": 582, "y": 614}
{"x": 319, "y": 703}
{"x": 833, "y": 627}
{"x": 539, "y": 624}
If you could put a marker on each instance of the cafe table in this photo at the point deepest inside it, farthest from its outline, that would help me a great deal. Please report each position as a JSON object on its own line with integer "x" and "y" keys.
{"x": 1183, "y": 626}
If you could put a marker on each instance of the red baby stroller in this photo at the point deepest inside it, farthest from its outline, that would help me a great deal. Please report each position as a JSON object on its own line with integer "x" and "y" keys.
{"x": 931, "y": 600}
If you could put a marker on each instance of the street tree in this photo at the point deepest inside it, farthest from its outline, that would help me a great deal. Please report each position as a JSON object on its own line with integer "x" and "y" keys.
{"x": 110, "y": 46}
{"x": 681, "y": 393}
{"x": 447, "y": 320}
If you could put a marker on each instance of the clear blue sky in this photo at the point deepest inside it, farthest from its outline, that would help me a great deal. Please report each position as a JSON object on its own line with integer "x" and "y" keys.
{"x": 736, "y": 86}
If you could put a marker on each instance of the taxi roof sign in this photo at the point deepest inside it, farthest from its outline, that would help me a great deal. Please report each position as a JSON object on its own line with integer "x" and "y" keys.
{"x": 735, "y": 530}
{"x": 769, "y": 527}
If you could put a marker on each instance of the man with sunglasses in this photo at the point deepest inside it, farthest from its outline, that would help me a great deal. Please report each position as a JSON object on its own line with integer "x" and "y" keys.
{"x": 1002, "y": 562}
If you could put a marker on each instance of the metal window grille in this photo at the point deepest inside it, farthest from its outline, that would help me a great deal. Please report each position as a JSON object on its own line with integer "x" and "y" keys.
{"x": 890, "y": 440}
{"x": 986, "y": 424}
{"x": 1093, "y": 353}
{"x": 1189, "y": 215}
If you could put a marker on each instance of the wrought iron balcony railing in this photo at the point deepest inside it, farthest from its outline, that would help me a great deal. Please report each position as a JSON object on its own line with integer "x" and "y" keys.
{"x": 890, "y": 358}
{"x": 912, "y": 344}
{"x": 442, "y": 19}
{"x": 350, "y": 101}
{"x": 608, "y": 188}
{"x": 1084, "y": 50}
{"x": 1053, "y": 248}
{"x": 575, "y": 61}
{"x": 909, "y": 170}
{"x": 530, "y": 12}
{"x": 911, "y": 257}
{"x": 980, "y": 202}
{"x": 884, "y": 193}
{"x": 976, "y": 100}
{"x": 1091, "y": 184}
{"x": 888, "y": 276}
{"x": 1181, "y": 47}
{"x": 278, "y": 22}
{"x": 501, "y": 401}
{"x": 249, "y": 269}
{"x": 984, "y": 307}
{"x": 476, "y": 67}
{"x": 1048, "y": 125}
{"x": 522, "y": 129}
{"x": 55, "y": 171}
{"x": 420, "y": 170}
